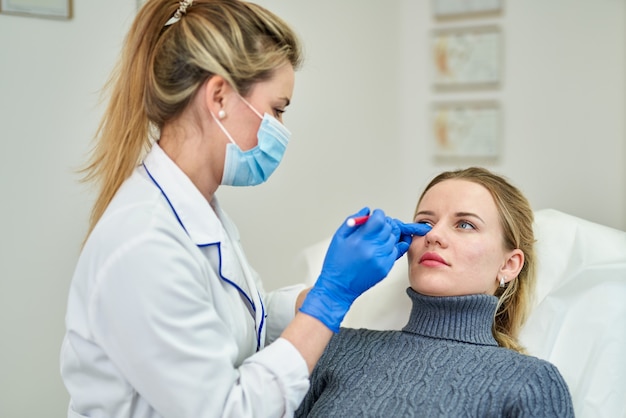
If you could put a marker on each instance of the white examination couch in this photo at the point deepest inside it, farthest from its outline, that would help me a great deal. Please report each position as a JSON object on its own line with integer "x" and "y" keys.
{"x": 579, "y": 319}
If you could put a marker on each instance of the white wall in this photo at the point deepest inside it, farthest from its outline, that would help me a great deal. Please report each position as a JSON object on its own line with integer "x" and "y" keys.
{"x": 359, "y": 138}
{"x": 360, "y": 110}
{"x": 50, "y": 73}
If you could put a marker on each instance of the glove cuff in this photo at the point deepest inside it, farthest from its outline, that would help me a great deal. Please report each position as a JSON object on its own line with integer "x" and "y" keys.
{"x": 323, "y": 306}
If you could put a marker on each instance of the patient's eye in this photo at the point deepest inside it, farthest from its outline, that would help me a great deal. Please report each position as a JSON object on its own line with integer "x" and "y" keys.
{"x": 465, "y": 225}
{"x": 424, "y": 221}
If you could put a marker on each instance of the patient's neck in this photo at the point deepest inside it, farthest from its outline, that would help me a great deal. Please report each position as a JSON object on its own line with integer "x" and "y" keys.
{"x": 460, "y": 318}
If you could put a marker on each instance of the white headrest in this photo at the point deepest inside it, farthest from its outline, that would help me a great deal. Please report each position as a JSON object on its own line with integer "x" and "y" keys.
{"x": 579, "y": 321}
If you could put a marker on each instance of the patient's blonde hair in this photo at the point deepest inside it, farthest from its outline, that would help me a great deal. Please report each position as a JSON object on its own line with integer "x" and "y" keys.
{"x": 516, "y": 218}
{"x": 162, "y": 67}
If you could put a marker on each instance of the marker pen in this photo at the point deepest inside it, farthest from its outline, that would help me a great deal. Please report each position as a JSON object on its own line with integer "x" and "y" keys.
{"x": 357, "y": 220}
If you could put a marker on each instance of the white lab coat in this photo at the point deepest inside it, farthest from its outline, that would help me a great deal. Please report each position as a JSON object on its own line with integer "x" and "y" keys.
{"x": 165, "y": 315}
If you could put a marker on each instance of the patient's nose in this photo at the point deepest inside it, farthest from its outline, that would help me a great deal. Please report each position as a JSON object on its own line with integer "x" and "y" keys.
{"x": 436, "y": 236}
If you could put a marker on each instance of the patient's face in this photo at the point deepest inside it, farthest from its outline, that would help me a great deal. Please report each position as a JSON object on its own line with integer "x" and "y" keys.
{"x": 464, "y": 251}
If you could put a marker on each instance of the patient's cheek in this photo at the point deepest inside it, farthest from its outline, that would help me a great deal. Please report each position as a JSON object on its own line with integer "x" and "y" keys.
{"x": 416, "y": 274}
{"x": 413, "y": 249}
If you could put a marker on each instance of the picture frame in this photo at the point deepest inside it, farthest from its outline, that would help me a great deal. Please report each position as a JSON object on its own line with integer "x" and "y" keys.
{"x": 467, "y": 57}
{"x": 55, "y": 9}
{"x": 465, "y": 8}
{"x": 467, "y": 129}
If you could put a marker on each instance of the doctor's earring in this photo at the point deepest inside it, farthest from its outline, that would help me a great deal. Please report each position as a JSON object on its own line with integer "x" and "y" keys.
{"x": 221, "y": 114}
{"x": 502, "y": 281}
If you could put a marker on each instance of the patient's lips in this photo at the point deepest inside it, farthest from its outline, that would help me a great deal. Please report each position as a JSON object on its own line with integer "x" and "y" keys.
{"x": 431, "y": 259}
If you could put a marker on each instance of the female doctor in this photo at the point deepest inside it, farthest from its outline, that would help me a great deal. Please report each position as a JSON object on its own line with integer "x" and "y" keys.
{"x": 165, "y": 316}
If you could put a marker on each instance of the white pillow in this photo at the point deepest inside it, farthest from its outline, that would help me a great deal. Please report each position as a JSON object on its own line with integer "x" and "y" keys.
{"x": 384, "y": 306}
{"x": 579, "y": 319}
{"x": 578, "y": 322}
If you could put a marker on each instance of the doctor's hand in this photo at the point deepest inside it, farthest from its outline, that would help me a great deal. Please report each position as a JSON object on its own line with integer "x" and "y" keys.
{"x": 406, "y": 234}
{"x": 358, "y": 257}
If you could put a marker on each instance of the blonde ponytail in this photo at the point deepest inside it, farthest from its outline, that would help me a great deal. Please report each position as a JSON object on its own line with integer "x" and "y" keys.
{"x": 123, "y": 134}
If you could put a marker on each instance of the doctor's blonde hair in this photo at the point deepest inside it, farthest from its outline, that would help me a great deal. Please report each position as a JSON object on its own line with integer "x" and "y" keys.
{"x": 162, "y": 67}
{"x": 516, "y": 219}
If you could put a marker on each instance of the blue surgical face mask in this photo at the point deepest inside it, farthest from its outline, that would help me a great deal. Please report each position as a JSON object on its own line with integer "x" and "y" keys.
{"x": 255, "y": 166}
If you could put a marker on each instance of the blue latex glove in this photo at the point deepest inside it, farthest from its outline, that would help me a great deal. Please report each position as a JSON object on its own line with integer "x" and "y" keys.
{"x": 357, "y": 259}
{"x": 406, "y": 234}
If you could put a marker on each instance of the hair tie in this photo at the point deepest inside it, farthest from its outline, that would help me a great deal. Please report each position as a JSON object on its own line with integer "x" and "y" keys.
{"x": 182, "y": 9}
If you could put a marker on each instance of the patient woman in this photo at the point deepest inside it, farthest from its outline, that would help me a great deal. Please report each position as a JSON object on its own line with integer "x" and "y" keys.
{"x": 471, "y": 281}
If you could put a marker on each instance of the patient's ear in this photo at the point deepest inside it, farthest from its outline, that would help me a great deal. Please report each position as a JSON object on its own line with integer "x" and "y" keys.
{"x": 512, "y": 264}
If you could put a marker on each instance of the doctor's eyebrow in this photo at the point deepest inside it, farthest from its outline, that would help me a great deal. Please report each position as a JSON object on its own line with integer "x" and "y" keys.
{"x": 287, "y": 101}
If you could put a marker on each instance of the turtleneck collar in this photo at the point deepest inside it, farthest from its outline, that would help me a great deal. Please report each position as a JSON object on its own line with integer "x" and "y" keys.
{"x": 459, "y": 318}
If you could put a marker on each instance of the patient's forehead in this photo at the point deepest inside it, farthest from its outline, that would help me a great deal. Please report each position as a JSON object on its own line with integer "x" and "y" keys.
{"x": 458, "y": 196}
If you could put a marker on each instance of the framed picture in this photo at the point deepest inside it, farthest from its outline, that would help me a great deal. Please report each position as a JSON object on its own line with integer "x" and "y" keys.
{"x": 469, "y": 57}
{"x": 467, "y": 129}
{"x": 58, "y": 9}
{"x": 464, "y": 8}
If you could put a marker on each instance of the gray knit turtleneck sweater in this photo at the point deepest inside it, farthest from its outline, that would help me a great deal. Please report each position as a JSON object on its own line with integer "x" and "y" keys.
{"x": 444, "y": 363}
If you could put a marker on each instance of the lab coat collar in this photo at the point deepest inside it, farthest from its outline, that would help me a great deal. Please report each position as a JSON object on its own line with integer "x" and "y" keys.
{"x": 195, "y": 214}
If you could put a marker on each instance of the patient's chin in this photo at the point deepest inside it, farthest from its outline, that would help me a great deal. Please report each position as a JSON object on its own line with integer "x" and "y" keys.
{"x": 429, "y": 288}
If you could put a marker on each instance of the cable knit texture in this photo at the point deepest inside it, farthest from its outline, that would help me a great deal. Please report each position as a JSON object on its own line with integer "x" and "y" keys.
{"x": 444, "y": 363}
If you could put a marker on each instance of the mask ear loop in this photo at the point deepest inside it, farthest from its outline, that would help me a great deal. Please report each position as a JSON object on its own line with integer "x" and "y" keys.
{"x": 222, "y": 114}
{"x": 230, "y": 138}
{"x": 250, "y": 106}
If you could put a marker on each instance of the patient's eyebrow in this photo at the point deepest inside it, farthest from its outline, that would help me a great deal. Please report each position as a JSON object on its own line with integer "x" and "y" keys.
{"x": 468, "y": 215}
{"x": 457, "y": 214}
